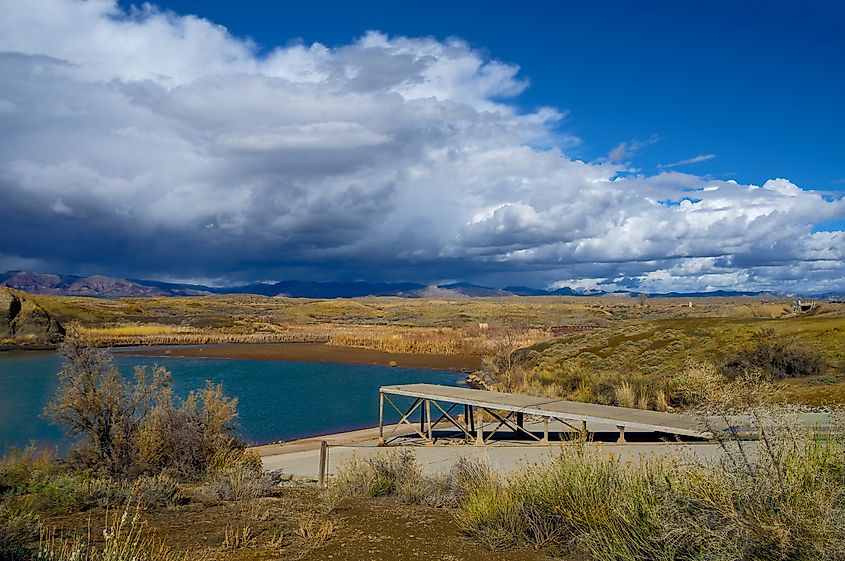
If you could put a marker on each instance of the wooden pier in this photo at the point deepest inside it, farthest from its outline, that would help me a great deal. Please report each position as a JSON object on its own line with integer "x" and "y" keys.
{"x": 509, "y": 410}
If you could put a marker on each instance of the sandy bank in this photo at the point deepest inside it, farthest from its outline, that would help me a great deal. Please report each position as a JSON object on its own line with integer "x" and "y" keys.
{"x": 315, "y": 352}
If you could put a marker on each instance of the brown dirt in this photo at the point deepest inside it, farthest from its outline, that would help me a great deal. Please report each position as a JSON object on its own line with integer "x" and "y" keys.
{"x": 316, "y": 352}
{"x": 364, "y": 530}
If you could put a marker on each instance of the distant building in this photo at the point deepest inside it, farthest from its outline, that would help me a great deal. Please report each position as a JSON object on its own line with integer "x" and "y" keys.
{"x": 804, "y": 306}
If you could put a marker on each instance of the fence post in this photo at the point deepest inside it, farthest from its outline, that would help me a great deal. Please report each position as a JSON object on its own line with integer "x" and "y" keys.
{"x": 324, "y": 461}
{"x": 479, "y": 427}
{"x": 380, "y": 418}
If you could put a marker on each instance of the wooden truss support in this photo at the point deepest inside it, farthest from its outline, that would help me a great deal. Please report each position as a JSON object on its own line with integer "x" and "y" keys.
{"x": 446, "y": 415}
{"x": 506, "y": 421}
{"x": 473, "y": 427}
{"x": 404, "y": 420}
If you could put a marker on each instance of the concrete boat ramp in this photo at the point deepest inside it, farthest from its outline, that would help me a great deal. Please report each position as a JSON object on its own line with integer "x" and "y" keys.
{"x": 444, "y": 423}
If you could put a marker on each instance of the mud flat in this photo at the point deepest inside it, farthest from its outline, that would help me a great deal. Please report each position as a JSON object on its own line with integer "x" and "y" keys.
{"x": 314, "y": 352}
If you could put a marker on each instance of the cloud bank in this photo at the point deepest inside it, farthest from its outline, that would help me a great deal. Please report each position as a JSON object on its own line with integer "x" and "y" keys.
{"x": 150, "y": 144}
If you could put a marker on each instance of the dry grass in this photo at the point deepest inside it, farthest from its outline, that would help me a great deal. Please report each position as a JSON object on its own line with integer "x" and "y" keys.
{"x": 781, "y": 498}
{"x": 315, "y": 531}
{"x": 238, "y": 537}
{"x": 134, "y": 330}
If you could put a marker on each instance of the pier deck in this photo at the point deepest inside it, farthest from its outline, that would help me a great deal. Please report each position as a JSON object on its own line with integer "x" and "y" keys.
{"x": 508, "y": 410}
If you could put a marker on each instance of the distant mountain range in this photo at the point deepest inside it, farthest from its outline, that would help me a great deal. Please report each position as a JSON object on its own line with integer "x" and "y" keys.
{"x": 108, "y": 287}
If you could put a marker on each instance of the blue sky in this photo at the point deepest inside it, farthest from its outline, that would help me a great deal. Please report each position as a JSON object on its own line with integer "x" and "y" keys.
{"x": 758, "y": 84}
{"x": 659, "y": 146}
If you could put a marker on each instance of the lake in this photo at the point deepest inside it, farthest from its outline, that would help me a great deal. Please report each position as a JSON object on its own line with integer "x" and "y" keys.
{"x": 277, "y": 400}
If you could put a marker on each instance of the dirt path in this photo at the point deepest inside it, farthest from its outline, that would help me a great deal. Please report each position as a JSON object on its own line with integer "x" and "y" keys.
{"x": 381, "y": 530}
{"x": 361, "y": 530}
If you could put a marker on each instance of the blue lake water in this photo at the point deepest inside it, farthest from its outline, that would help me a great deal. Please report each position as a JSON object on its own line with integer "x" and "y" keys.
{"x": 277, "y": 400}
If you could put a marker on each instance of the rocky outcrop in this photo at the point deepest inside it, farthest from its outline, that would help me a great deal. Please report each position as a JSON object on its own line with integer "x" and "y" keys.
{"x": 481, "y": 380}
{"x": 25, "y": 323}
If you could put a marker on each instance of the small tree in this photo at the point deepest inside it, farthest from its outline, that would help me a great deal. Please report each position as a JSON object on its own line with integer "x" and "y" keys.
{"x": 132, "y": 428}
{"x": 504, "y": 363}
{"x": 94, "y": 401}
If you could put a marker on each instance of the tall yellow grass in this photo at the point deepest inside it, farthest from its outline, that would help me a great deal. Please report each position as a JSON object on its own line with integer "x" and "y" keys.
{"x": 135, "y": 330}
{"x": 433, "y": 341}
{"x": 123, "y": 334}
{"x": 400, "y": 340}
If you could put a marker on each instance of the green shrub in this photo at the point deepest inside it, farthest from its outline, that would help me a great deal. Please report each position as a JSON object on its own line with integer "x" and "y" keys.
{"x": 786, "y": 502}
{"x": 353, "y": 478}
{"x": 18, "y": 530}
{"x": 69, "y": 492}
{"x": 74, "y": 492}
{"x": 159, "y": 491}
{"x": 21, "y": 468}
{"x": 491, "y": 515}
{"x": 389, "y": 470}
{"x": 777, "y": 357}
{"x": 109, "y": 493}
{"x": 237, "y": 477}
{"x": 698, "y": 384}
{"x": 397, "y": 473}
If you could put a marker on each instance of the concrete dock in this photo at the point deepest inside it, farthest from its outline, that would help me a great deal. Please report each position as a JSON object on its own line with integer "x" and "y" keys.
{"x": 510, "y": 431}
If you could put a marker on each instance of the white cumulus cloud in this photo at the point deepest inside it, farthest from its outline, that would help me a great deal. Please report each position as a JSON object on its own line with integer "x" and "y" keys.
{"x": 149, "y": 143}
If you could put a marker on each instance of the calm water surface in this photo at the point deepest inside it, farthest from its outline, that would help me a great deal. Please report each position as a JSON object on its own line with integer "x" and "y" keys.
{"x": 278, "y": 400}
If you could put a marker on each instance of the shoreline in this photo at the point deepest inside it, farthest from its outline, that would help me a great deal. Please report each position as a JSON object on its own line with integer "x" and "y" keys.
{"x": 313, "y": 352}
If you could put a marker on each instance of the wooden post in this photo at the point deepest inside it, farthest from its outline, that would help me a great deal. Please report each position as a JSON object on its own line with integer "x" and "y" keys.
{"x": 584, "y": 432}
{"x": 428, "y": 422}
{"x": 324, "y": 461}
{"x": 380, "y": 419}
{"x": 479, "y": 435}
{"x": 520, "y": 420}
{"x": 545, "y": 430}
{"x": 466, "y": 421}
{"x": 422, "y": 416}
{"x": 621, "y": 439}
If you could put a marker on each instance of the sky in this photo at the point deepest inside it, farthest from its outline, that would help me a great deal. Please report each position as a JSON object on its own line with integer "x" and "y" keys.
{"x": 658, "y": 146}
